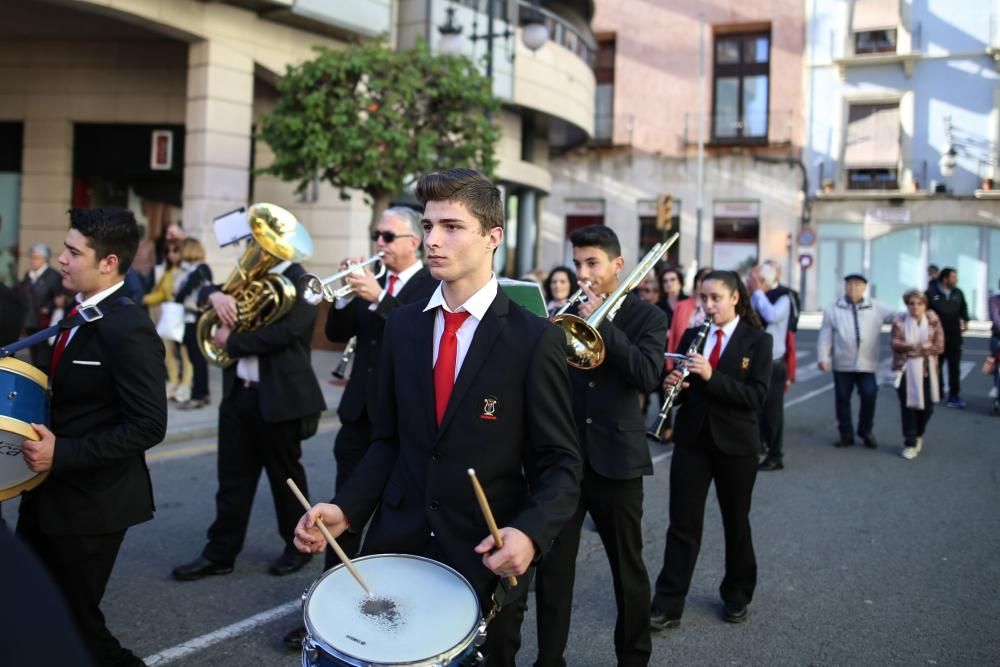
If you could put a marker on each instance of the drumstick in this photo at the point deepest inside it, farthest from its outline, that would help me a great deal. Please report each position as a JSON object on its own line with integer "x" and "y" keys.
{"x": 490, "y": 521}
{"x": 329, "y": 538}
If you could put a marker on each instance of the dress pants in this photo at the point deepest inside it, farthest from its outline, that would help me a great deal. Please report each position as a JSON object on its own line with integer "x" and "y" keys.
{"x": 81, "y": 566}
{"x": 349, "y": 448}
{"x": 772, "y": 418}
{"x": 248, "y": 444}
{"x": 616, "y": 507}
{"x": 692, "y": 470}
{"x": 843, "y": 385}
{"x": 199, "y": 366}
{"x": 914, "y": 421}
{"x": 953, "y": 357}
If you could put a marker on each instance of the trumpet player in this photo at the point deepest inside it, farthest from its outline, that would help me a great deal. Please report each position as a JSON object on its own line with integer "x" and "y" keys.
{"x": 716, "y": 438}
{"x": 612, "y": 437}
{"x": 363, "y": 313}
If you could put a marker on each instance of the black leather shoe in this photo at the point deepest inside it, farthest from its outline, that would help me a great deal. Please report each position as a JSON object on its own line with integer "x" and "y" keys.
{"x": 869, "y": 441}
{"x": 771, "y": 464}
{"x": 293, "y": 640}
{"x": 199, "y": 568}
{"x": 844, "y": 442}
{"x": 658, "y": 620}
{"x": 289, "y": 562}
{"x": 734, "y": 612}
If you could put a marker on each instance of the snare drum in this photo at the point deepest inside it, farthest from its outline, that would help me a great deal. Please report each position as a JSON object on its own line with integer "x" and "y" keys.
{"x": 421, "y": 614}
{"x": 24, "y": 400}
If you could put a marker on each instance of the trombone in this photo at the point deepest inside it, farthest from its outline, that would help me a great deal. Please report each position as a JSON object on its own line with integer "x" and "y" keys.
{"x": 577, "y": 297}
{"x": 318, "y": 290}
{"x": 585, "y": 347}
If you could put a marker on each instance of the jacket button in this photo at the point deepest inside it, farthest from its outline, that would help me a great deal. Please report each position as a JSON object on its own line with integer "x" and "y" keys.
{"x": 371, "y": 370}
{"x": 435, "y": 457}
{"x": 434, "y": 505}
{"x": 591, "y": 384}
{"x": 589, "y": 420}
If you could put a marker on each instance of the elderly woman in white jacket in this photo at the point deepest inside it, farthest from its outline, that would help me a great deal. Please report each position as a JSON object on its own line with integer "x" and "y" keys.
{"x": 849, "y": 337}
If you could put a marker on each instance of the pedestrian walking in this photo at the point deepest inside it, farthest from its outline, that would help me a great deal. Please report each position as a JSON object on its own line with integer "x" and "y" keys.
{"x": 948, "y": 302}
{"x": 917, "y": 340}
{"x": 38, "y": 289}
{"x": 774, "y": 306}
{"x": 848, "y": 343}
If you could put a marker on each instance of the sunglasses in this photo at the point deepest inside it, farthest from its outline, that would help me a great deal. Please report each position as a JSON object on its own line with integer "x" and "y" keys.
{"x": 914, "y": 303}
{"x": 389, "y": 237}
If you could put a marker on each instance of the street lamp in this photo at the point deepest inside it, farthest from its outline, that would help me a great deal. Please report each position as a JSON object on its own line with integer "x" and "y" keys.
{"x": 534, "y": 33}
{"x": 451, "y": 43}
{"x": 948, "y": 162}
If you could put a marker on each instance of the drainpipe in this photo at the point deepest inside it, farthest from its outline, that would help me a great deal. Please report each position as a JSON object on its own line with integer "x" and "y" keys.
{"x": 805, "y": 218}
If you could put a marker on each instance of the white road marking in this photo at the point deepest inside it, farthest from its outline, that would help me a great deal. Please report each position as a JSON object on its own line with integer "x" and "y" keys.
{"x": 200, "y": 643}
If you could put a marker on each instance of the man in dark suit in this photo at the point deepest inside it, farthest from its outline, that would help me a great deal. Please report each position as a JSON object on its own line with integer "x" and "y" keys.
{"x": 270, "y": 402}
{"x": 38, "y": 291}
{"x": 613, "y": 438}
{"x": 717, "y": 439}
{"x": 108, "y": 408}
{"x": 469, "y": 380}
{"x": 363, "y": 314}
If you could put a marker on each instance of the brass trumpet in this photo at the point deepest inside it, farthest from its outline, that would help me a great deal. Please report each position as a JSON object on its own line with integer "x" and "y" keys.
{"x": 585, "y": 347}
{"x": 577, "y": 297}
{"x": 317, "y": 290}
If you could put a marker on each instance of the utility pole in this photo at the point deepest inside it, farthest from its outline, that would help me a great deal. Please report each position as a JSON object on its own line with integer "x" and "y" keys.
{"x": 699, "y": 211}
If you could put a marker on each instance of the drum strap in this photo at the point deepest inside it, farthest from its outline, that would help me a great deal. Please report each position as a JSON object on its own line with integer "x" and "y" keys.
{"x": 77, "y": 320}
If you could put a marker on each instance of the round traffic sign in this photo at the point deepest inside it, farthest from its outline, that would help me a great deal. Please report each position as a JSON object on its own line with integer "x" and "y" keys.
{"x": 805, "y": 261}
{"x": 807, "y": 237}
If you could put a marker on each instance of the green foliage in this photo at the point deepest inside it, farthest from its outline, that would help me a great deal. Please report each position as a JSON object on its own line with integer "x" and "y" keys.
{"x": 370, "y": 118}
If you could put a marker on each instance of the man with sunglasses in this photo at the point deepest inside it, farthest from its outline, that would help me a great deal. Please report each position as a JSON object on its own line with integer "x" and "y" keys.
{"x": 363, "y": 314}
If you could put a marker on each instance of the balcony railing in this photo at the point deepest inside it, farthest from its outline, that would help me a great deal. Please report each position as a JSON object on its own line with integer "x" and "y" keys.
{"x": 562, "y": 32}
{"x": 776, "y": 127}
{"x": 906, "y": 177}
{"x": 605, "y": 126}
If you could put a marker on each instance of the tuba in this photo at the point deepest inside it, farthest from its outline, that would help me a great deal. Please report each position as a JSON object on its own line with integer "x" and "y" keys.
{"x": 261, "y": 297}
{"x": 584, "y": 345}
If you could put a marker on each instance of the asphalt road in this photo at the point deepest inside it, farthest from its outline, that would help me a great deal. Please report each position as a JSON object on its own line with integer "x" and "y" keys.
{"x": 864, "y": 558}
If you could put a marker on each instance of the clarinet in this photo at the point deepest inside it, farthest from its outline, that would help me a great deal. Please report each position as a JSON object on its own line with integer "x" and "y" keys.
{"x": 655, "y": 431}
{"x": 341, "y": 370}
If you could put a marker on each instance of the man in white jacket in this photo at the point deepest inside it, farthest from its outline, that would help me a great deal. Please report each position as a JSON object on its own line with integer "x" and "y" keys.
{"x": 850, "y": 336}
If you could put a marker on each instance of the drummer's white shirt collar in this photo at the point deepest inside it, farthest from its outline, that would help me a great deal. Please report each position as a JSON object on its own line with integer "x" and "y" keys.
{"x": 93, "y": 301}
{"x": 476, "y": 305}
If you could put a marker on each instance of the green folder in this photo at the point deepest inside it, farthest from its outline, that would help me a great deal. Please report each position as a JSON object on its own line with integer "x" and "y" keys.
{"x": 525, "y": 293}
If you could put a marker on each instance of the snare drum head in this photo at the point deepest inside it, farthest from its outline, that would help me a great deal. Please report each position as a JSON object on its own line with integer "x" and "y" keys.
{"x": 419, "y": 610}
{"x": 23, "y": 400}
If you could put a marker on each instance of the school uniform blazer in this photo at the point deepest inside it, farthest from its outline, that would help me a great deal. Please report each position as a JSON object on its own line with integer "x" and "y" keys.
{"x": 731, "y": 400}
{"x": 361, "y": 393}
{"x": 510, "y": 410}
{"x": 108, "y": 407}
{"x": 606, "y": 399}
{"x": 288, "y": 386}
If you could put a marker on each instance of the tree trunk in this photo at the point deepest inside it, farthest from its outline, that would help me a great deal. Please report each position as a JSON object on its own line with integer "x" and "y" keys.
{"x": 380, "y": 202}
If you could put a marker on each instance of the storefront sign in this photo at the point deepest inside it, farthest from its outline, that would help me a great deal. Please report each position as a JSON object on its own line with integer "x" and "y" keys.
{"x": 894, "y": 215}
{"x": 736, "y": 209}
{"x": 646, "y": 208}
{"x": 161, "y": 154}
{"x": 591, "y": 207}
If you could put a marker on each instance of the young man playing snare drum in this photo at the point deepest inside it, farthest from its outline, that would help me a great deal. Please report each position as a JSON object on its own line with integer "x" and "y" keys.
{"x": 469, "y": 380}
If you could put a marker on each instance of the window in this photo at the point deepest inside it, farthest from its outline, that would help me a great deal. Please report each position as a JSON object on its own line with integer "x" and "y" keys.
{"x": 873, "y": 26}
{"x": 871, "y": 150}
{"x": 740, "y": 88}
{"x": 604, "y": 105}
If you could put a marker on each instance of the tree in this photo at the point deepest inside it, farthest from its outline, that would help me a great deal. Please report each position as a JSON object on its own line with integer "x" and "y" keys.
{"x": 370, "y": 118}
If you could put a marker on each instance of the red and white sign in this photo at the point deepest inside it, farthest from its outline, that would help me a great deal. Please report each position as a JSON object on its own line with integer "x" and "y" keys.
{"x": 161, "y": 152}
{"x": 736, "y": 209}
{"x": 805, "y": 261}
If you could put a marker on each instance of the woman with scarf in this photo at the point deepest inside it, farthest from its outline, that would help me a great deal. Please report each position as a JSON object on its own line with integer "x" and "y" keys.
{"x": 917, "y": 340}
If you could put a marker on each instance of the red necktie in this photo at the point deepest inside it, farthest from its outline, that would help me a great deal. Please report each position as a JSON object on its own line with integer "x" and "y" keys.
{"x": 391, "y": 290}
{"x": 713, "y": 359}
{"x": 61, "y": 344}
{"x": 444, "y": 369}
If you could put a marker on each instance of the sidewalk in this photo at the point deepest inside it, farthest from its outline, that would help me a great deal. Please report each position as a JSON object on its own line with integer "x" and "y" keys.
{"x": 204, "y": 423}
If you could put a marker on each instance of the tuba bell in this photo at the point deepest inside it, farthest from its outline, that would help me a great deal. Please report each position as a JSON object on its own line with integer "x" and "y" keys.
{"x": 584, "y": 344}
{"x": 261, "y": 297}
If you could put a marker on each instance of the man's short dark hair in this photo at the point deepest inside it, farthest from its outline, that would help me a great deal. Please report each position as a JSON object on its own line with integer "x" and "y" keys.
{"x": 599, "y": 236}
{"x": 945, "y": 274}
{"x": 468, "y": 187}
{"x": 109, "y": 231}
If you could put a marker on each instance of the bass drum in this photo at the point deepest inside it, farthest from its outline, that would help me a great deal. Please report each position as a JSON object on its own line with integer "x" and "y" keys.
{"x": 24, "y": 400}
{"x": 421, "y": 614}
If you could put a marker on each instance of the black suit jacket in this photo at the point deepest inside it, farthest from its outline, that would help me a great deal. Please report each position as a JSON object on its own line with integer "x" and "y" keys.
{"x": 510, "y": 409}
{"x": 732, "y": 399}
{"x": 606, "y": 399}
{"x": 39, "y": 296}
{"x": 288, "y": 387}
{"x": 361, "y": 393}
{"x": 108, "y": 407}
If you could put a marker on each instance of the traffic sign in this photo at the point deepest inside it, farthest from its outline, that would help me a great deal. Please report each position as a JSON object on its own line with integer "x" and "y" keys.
{"x": 805, "y": 261}
{"x": 807, "y": 237}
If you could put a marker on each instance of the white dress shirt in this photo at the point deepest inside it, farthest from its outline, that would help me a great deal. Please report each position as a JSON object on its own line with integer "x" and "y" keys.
{"x": 477, "y": 305}
{"x": 727, "y": 334}
{"x": 93, "y": 301}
